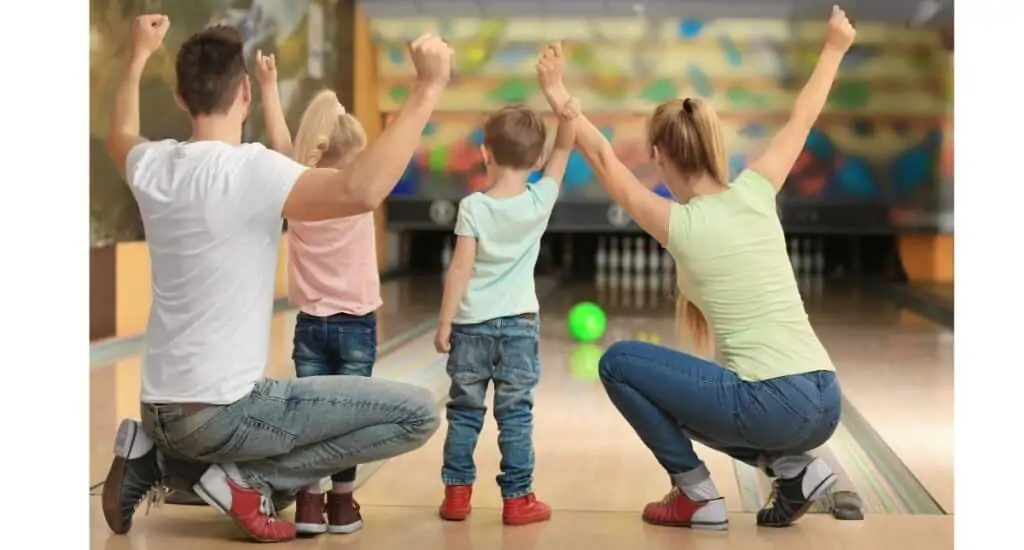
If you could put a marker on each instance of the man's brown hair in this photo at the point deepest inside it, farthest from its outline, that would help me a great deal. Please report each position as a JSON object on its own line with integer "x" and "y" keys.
{"x": 209, "y": 67}
{"x": 515, "y": 137}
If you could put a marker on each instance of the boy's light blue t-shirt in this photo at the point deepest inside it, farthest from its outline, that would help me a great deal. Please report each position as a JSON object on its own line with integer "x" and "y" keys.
{"x": 507, "y": 233}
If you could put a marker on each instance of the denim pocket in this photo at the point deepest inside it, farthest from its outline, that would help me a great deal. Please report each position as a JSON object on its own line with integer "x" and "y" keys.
{"x": 470, "y": 357}
{"x": 252, "y": 440}
{"x": 195, "y": 434}
{"x": 769, "y": 419}
{"x": 519, "y": 361}
{"x": 357, "y": 346}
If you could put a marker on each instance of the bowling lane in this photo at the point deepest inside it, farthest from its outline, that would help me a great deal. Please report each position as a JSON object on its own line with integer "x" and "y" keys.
{"x": 409, "y": 309}
{"x": 583, "y": 446}
{"x": 893, "y": 364}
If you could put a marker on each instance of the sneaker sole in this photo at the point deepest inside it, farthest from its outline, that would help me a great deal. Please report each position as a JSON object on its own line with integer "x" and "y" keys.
{"x": 208, "y": 498}
{"x": 704, "y": 526}
{"x": 440, "y": 512}
{"x": 527, "y": 521}
{"x": 817, "y": 494}
{"x": 345, "y": 529}
{"x": 309, "y": 529}
{"x": 111, "y": 499}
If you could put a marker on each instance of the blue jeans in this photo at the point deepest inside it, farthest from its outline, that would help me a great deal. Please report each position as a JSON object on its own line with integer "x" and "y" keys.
{"x": 287, "y": 434}
{"x": 672, "y": 398}
{"x": 340, "y": 344}
{"x": 503, "y": 350}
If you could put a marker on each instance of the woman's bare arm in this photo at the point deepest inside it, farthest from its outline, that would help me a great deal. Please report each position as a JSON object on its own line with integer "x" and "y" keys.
{"x": 650, "y": 211}
{"x": 783, "y": 150}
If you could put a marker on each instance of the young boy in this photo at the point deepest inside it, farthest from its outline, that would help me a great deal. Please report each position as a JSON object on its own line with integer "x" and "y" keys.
{"x": 488, "y": 322}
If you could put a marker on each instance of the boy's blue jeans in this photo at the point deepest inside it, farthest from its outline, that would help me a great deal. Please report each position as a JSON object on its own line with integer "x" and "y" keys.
{"x": 339, "y": 344}
{"x": 672, "y": 398}
{"x": 505, "y": 351}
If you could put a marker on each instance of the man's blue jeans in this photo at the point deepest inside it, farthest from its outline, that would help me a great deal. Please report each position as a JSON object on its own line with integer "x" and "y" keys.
{"x": 287, "y": 434}
{"x": 672, "y": 398}
{"x": 505, "y": 351}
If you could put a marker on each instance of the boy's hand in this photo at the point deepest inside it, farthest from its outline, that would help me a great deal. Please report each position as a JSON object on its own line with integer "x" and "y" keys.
{"x": 840, "y": 32}
{"x": 551, "y": 67}
{"x": 148, "y": 32}
{"x": 443, "y": 338}
{"x": 266, "y": 69}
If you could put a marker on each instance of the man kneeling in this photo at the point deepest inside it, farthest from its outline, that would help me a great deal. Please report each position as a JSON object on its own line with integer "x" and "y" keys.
{"x": 213, "y": 208}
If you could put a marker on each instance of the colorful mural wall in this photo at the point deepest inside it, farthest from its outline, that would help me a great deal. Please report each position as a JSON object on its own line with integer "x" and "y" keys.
{"x": 882, "y": 137}
{"x": 296, "y": 31}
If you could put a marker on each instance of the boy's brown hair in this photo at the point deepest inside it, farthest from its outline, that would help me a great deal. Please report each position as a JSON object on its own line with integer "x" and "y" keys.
{"x": 515, "y": 137}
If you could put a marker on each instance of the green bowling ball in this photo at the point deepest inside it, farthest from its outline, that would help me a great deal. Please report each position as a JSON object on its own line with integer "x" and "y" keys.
{"x": 587, "y": 322}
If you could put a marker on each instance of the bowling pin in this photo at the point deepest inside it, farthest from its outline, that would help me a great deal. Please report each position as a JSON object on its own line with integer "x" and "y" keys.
{"x": 613, "y": 261}
{"x": 654, "y": 283}
{"x": 640, "y": 289}
{"x": 794, "y": 255}
{"x": 446, "y": 254}
{"x": 639, "y": 259}
{"x": 819, "y": 257}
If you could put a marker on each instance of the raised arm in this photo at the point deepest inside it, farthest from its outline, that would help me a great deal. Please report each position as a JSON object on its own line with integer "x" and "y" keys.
{"x": 559, "y": 159}
{"x": 323, "y": 193}
{"x": 148, "y": 33}
{"x": 273, "y": 113}
{"x": 650, "y": 211}
{"x": 783, "y": 150}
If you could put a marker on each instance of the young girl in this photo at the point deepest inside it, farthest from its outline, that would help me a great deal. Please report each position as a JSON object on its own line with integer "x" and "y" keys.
{"x": 332, "y": 279}
{"x": 775, "y": 395}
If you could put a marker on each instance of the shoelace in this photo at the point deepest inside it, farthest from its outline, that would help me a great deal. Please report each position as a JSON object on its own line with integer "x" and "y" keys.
{"x": 267, "y": 509}
{"x": 777, "y": 502}
{"x": 155, "y": 497}
{"x": 672, "y": 494}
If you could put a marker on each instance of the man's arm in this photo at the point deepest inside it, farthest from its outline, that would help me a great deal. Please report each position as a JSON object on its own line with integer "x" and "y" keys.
{"x": 321, "y": 194}
{"x": 148, "y": 32}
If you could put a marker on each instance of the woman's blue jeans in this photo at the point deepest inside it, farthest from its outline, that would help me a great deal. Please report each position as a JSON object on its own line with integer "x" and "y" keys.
{"x": 672, "y": 398}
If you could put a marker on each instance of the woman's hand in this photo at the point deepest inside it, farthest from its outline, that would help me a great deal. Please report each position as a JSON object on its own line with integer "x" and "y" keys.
{"x": 841, "y": 33}
{"x": 551, "y": 75}
{"x": 551, "y": 67}
{"x": 266, "y": 69}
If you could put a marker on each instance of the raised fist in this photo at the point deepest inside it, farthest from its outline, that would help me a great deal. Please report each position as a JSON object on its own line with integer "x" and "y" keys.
{"x": 840, "y": 32}
{"x": 432, "y": 58}
{"x": 148, "y": 32}
{"x": 265, "y": 68}
{"x": 551, "y": 66}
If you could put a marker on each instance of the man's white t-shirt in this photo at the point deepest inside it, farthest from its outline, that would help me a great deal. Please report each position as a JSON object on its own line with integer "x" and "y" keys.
{"x": 212, "y": 215}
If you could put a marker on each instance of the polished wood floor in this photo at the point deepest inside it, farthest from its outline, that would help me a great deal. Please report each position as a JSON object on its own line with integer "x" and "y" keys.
{"x": 591, "y": 467}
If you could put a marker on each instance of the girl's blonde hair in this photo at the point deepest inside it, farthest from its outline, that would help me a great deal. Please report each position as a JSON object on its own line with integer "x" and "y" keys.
{"x": 327, "y": 132}
{"x": 688, "y": 134}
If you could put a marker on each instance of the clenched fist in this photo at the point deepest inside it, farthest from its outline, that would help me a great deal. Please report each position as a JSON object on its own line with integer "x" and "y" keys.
{"x": 148, "y": 32}
{"x": 551, "y": 67}
{"x": 432, "y": 58}
{"x": 840, "y": 32}
{"x": 443, "y": 338}
{"x": 265, "y": 69}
